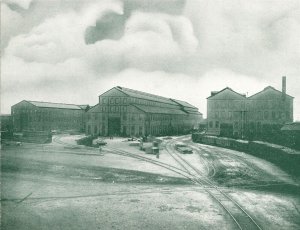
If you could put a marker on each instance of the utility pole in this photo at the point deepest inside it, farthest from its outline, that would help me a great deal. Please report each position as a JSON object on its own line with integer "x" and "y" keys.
{"x": 243, "y": 119}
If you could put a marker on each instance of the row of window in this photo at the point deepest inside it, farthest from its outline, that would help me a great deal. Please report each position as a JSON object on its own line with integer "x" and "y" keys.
{"x": 259, "y": 115}
{"x": 250, "y": 104}
{"x": 113, "y": 108}
{"x": 47, "y": 118}
{"x": 54, "y": 112}
{"x": 270, "y": 115}
{"x": 268, "y": 104}
{"x": 231, "y": 104}
{"x": 114, "y": 100}
{"x": 225, "y": 115}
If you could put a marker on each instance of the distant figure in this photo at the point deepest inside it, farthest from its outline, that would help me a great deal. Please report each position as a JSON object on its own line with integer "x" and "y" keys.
{"x": 100, "y": 151}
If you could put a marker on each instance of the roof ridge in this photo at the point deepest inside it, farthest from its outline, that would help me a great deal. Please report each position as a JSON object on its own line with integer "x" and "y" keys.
{"x": 53, "y": 102}
{"x": 224, "y": 90}
{"x": 144, "y": 93}
{"x": 269, "y": 87}
{"x": 172, "y": 100}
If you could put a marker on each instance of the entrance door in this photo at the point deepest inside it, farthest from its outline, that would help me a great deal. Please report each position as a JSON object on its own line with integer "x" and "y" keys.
{"x": 24, "y": 121}
{"x": 114, "y": 126}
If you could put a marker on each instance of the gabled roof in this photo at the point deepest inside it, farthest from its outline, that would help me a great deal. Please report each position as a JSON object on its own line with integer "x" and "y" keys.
{"x": 183, "y": 103}
{"x": 191, "y": 111}
{"x": 266, "y": 89}
{"x": 84, "y": 107}
{"x": 161, "y": 110}
{"x": 151, "y": 97}
{"x": 143, "y": 95}
{"x": 94, "y": 108}
{"x": 215, "y": 93}
{"x": 54, "y": 105}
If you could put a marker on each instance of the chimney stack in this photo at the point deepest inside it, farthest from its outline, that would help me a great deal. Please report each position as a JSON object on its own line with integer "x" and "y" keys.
{"x": 283, "y": 87}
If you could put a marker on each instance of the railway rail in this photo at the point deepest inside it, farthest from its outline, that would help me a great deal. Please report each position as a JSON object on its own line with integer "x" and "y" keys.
{"x": 224, "y": 153}
{"x": 117, "y": 151}
{"x": 239, "y": 215}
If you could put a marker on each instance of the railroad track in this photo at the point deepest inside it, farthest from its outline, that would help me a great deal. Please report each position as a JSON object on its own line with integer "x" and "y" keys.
{"x": 239, "y": 215}
{"x": 224, "y": 153}
{"x": 116, "y": 151}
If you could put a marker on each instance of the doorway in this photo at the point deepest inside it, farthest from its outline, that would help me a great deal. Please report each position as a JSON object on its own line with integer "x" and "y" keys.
{"x": 114, "y": 126}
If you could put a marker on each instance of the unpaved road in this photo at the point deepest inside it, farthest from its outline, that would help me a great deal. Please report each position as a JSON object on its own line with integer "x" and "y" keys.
{"x": 54, "y": 187}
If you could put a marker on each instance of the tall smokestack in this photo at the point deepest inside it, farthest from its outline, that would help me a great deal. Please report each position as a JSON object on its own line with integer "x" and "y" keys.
{"x": 283, "y": 87}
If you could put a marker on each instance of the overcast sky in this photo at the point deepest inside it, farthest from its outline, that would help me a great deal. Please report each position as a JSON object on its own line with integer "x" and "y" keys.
{"x": 72, "y": 51}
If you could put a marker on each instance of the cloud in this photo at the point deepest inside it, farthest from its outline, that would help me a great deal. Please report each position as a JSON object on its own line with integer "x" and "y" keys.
{"x": 11, "y": 18}
{"x": 60, "y": 37}
{"x": 258, "y": 38}
{"x": 159, "y": 46}
{"x": 150, "y": 42}
{"x": 20, "y": 3}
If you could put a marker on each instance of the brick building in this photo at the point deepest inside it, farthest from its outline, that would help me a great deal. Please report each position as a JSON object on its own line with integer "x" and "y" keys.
{"x": 259, "y": 116}
{"x": 267, "y": 111}
{"x": 126, "y": 112}
{"x": 225, "y": 112}
{"x": 46, "y": 116}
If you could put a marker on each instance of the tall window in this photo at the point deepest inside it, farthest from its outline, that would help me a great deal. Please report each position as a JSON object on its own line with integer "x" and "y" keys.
{"x": 273, "y": 115}
{"x": 266, "y": 115}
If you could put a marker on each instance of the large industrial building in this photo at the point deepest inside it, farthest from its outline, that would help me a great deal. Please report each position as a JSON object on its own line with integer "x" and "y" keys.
{"x": 225, "y": 112}
{"x": 47, "y": 116}
{"x": 127, "y": 112}
{"x": 261, "y": 115}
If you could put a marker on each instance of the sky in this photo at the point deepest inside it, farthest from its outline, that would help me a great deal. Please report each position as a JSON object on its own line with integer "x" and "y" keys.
{"x": 71, "y": 51}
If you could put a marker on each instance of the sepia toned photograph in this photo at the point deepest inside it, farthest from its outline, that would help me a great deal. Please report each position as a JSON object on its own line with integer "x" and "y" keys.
{"x": 150, "y": 115}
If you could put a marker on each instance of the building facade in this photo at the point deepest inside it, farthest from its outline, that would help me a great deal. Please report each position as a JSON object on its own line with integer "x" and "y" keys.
{"x": 47, "y": 116}
{"x": 267, "y": 111}
{"x": 126, "y": 112}
{"x": 6, "y": 126}
{"x": 259, "y": 116}
{"x": 225, "y": 113}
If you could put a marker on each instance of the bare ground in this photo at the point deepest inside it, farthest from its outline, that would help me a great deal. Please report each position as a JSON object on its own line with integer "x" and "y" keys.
{"x": 54, "y": 187}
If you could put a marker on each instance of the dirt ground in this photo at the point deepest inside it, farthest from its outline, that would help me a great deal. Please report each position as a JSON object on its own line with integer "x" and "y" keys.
{"x": 55, "y": 186}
